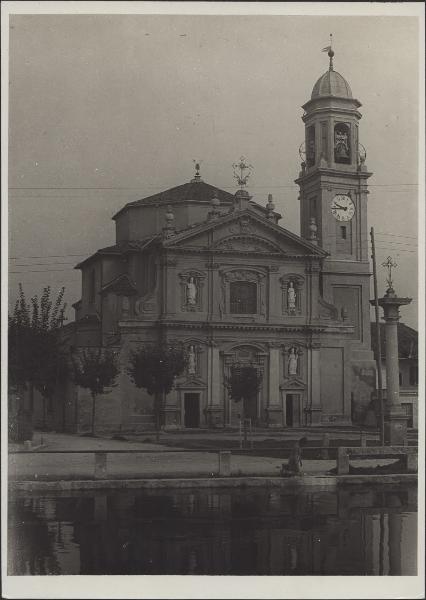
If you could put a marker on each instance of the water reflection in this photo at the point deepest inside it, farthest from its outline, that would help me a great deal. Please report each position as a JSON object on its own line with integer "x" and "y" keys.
{"x": 354, "y": 531}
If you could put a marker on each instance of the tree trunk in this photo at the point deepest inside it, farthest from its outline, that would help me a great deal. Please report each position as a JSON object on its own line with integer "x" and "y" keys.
{"x": 245, "y": 444}
{"x": 157, "y": 399}
{"x": 93, "y": 413}
{"x": 44, "y": 412}
{"x": 31, "y": 399}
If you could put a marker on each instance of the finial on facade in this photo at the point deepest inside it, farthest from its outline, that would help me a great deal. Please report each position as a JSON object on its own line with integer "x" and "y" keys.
{"x": 240, "y": 174}
{"x": 329, "y": 50}
{"x": 169, "y": 229}
{"x": 362, "y": 155}
{"x": 313, "y": 230}
{"x": 270, "y": 207}
{"x": 197, "y": 177}
{"x": 389, "y": 264}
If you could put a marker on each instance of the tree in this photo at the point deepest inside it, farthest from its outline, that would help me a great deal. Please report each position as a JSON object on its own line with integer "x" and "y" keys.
{"x": 95, "y": 369}
{"x": 243, "y": 381}
{"x": 154, "y": 369}
{"x": 35, "y": 357}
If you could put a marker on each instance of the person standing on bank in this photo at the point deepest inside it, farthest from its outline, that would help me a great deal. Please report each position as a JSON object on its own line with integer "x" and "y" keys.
{"x": 294, "y": 464}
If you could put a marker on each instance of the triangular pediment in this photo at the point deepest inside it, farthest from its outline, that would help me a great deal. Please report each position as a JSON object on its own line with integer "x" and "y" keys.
{"x": 292, "y": 383}
{"x": 121, "y": 285}
{"x": 243, "y": 231}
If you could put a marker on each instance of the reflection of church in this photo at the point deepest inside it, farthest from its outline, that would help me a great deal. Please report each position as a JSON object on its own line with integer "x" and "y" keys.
{"x": 356, "y": 531}
{"x": 217, "y": 272}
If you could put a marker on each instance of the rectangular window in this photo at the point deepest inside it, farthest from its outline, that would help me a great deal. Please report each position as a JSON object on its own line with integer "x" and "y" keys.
{"x": 343, "y": 231}
{"x": 414, "y": 375}
{"x": 243, "y": 297}
{"x": 92, "y": 286}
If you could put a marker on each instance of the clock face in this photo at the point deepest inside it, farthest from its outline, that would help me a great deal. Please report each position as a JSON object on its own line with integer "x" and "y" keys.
{"x": 342, "y": 207}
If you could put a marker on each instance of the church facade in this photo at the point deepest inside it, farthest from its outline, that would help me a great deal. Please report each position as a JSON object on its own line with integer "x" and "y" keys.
{"x": 214, "y": 271}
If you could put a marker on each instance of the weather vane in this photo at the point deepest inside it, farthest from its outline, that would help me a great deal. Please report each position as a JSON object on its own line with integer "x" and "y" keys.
{"x": 240, "y": 174}
{"x": 329, "y": 50}
{"x": 389, "y": 264}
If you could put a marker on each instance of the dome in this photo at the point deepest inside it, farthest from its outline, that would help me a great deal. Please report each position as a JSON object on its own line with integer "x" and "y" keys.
{"x": 331, "y": 84}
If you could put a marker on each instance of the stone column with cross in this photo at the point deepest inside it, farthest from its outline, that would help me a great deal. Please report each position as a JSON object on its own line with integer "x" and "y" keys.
{"x": 395, "y": 417}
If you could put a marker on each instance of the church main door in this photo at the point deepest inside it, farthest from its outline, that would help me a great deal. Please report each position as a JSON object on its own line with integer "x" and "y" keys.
{"x": 292, "y": 410}
{"x": 191, "y": 410}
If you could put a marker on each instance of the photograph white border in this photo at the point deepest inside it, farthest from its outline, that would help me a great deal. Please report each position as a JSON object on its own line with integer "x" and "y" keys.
{"x": 206, "y": 586}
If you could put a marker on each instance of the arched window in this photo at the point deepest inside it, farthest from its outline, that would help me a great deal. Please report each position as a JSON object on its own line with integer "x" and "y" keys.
{"x": 243, "y": 297}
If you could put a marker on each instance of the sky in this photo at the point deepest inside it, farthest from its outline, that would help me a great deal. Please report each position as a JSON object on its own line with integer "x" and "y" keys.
{"x": 107, "y": 109}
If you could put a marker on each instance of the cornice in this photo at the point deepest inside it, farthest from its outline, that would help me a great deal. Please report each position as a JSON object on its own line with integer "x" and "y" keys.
{"x": 210, "y": 326}
{"x": 215, "y": 252}
{"x": 324, "y": 172}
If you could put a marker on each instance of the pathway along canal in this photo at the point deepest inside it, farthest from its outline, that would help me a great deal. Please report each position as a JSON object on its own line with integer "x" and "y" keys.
{"x": 365, "y": 530}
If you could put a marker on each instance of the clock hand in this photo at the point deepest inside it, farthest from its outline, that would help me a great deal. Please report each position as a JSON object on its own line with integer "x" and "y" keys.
{"x": 341, "y": 207}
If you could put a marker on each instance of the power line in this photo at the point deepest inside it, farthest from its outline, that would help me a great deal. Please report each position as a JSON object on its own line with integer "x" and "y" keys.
{"x": 46, "y": 256}
{"x": 39, "y": 271}
{"x": 389, "y": 249}
{"x": 410, "y": 237}
{"x": 153, "y": 187}
{"x": 44, "y": 264}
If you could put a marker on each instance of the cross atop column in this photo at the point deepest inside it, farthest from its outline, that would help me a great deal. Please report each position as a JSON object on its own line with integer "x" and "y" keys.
{"x": 389, "y": 264}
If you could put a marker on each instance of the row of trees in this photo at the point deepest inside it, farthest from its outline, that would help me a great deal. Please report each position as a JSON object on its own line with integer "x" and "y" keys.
{"x": 37, "y": 360}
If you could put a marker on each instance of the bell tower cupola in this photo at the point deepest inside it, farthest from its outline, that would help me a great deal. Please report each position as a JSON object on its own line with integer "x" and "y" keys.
{"x": 331, "y": 123}
{"x": 333, "y": 176}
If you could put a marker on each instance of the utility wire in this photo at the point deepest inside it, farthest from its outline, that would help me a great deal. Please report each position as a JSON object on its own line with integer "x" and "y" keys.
{"x": 142, "y": 187}
{"x": 39, "y": 271}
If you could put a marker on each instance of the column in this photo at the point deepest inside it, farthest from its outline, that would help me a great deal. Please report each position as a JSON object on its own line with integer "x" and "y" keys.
{"x": 275, "y": 295}
{"x": 315, "y": 384}
{"x": 395, "y": 417}
{"x": 214, "y": 408}
{"x": 394, "y": 541}
{"x": 274, "y": 407}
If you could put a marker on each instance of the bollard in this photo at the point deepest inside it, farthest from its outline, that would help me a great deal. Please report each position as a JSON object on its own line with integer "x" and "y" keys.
{"x": 224, "y": 463}
{"x": 363, "y": 439}
{"x": 325, "y": 446}
{"x": 100, "y": 465}
{"x": 342, "y": 461}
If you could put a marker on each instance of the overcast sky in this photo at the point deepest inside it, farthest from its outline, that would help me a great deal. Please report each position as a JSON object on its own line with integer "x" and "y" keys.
{"x": 128, "y": 101}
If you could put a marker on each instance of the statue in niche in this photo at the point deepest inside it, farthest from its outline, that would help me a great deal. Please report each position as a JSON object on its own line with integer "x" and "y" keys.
{"x": 191, "y": 292}
{"x": 341, "y": 145}
{"x": 292, "y": 362}
{"x": 291, "y": 297}
{"x": 191, "y": 361}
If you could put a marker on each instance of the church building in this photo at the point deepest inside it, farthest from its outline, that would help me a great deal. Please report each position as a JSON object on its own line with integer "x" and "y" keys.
{"x": 216, "y": 272}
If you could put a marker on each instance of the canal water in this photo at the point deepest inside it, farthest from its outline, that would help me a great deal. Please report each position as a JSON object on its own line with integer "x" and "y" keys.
{"x": 352, "y": 531}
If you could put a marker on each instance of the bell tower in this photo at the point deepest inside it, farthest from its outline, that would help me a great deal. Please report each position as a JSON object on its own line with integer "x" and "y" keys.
{"x": 333, "y": 178}
{"x": 333, "y": 207}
